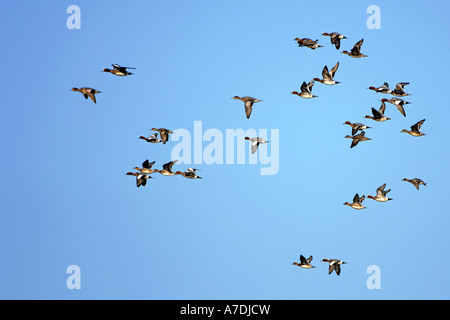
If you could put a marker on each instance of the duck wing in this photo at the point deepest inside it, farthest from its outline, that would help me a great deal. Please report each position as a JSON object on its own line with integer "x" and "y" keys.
{"x": 401, "y": 86}
{"x": 337, "y": 268}
{"x": 302, "y": 259}
{"x": 304, "y": 87}
{"x": 382, "y": 108}
{"x": 168, "y": 165}
{"x": 416, "y": 127}
{"x": 355, "y": 142}
{"x": 334, "y": 69}
{"x": 248, "y": 108}
{"x": 401, "y": 109}
{"x": 147, "y": 164}
{"x": 91, "y": 95}
{"x": 255, "y": 145}
{"x": 335, "y": 40}
{"x": 120, "y": 68}
{"x": 376, "y": 113}
{"x": 326, "y": 74}
{"x": 356, "y": 50}
{"x": 380, "y": 190}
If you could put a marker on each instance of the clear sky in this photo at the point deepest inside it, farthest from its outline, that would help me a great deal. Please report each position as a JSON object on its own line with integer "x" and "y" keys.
{"x": 65, "y": 199}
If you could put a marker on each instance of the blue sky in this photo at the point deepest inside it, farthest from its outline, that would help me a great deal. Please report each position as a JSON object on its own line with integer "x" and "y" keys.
{"x": 233, "y": 235}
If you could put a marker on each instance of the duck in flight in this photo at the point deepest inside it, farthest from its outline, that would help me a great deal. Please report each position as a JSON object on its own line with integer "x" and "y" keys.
{"x": 328, "y": 75}
{"x": 119, "y": 70}
{"x": 334, "y": 264}
{"x": 335, "y": 38}
{"x": 357, "y": 202}
{"x": 87, "y": 92}
{"x": 248, "y": 104}
{"x": 306, "y": 42}
{"x": 146, "y": 167}
{"x": 381, "y": 194}
{"x": 415, "y": 129}
{"x": 356, "y": 50}
{"x": 256, "y": 142}
{"x": 306, "y": 90}
{"x": 152, "y": 138}
{"x": 399, "y": 90}
{"x": 190, "y": 173}
{"x": 167, "y": 169}
{"x": 381, "y": 89}
{"x": 304, "y": 263}
{"x": 357, "y": 127}
{"x": 399, "y": 103}
{"x": 141, "y": 178}
{"x": 164, "y": 133}
{"x": 378, "y": 115}
{"x": 357, "y": 138}
{"x": 416, "y": 182}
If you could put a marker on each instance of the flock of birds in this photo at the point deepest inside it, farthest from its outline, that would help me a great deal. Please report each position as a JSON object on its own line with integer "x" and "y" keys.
{"x": 357, "y": 129}
{"x": 142, "y": 174}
